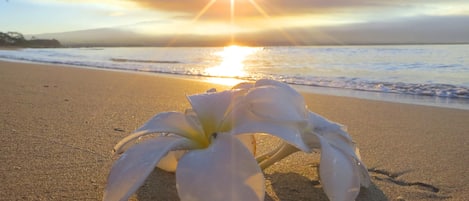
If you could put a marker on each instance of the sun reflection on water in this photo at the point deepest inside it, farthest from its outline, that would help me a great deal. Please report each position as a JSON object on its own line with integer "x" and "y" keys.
{"x": 232, "y": 65}
{"x": 232, "y": 62}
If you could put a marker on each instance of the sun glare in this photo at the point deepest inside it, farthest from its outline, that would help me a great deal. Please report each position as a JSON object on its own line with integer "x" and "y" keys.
{"x": 232, "y": 22}
{"x": 232, "y": 61}
{"x": 232, "y": 29}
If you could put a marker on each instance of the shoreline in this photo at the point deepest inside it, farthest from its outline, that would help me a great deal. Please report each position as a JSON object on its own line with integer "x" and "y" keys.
{"x": 59, "y": 125}
{"x": 434, "y": 101}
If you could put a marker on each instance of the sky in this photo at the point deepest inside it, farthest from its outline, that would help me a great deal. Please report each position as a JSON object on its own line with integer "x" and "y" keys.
{"x": 287, "y": 21}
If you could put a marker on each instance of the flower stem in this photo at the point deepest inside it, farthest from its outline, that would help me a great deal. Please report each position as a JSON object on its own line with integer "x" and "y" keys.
{"x": 269, "y": 154}
{"x": 268, "y": 159}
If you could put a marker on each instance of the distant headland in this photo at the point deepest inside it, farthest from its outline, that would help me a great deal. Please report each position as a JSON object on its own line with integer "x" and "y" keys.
{"x": 16, "y": 39}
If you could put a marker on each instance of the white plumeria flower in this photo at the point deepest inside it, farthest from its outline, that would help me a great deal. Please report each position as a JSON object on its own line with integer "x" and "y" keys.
{"x": 341, "y": 170}
{"x": 216, "y": 166}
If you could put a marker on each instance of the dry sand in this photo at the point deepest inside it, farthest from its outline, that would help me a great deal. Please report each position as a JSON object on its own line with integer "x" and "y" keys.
{"x": 59, "y": 124}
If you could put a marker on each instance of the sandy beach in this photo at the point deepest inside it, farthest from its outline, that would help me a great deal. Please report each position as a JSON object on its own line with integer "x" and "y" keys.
{"x": 59, "y": 125}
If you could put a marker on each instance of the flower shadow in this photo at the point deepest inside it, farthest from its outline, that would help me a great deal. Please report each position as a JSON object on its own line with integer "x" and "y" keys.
{"x": 159, "y": 185}
{"x": 371, "y": 193}
{"x": 294, "y": 187}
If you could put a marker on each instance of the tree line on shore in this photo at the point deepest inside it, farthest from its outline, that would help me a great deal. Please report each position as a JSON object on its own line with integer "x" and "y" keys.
{"x": 16, "y": 39}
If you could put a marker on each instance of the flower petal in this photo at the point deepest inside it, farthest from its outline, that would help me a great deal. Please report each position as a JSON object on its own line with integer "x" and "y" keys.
{"x": 245, "y": 121}
{"x": 249, "y": 141}
{"x": 334, "y": 133}
{"x": 172, "y": 122}
{"x": 365, "y": 179}
{"x": 211, "y": 109}
{"x": 185, "y": 125}
{"x": 276, "y": 103}
{"x": 130, "y": 171}
{"x": 269, "y": 82}
{"x": 336, "y": 136}
{"x": 244, "y": 85}
{"x": 338, "y": 173}
{"x": 224, "y": 171}
{"x": 324, "y": 127}
{"x": 311, "y": 140}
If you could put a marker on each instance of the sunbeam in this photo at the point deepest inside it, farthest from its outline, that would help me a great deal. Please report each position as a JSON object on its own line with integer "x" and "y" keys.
{"x": 232, "y": 29}
{"x": 199, "y": 14}
{"x": 232, "y": 20}
{"x": 267, "y": 16}
{"x": 204, "y": 10}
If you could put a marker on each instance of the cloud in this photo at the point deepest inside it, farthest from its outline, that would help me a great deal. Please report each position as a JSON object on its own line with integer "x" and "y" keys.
{"x": 218, "y": 11}
{"x": 117, "y": 13}
{"x": 193, "y": 6}
{"x": 246, "y": 8}
{"x": 365, "y": 10}
{"x": 413, "y": 30}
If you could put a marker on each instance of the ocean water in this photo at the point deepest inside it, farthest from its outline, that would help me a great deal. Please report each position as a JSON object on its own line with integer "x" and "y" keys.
{"x": 422, "y": 74}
